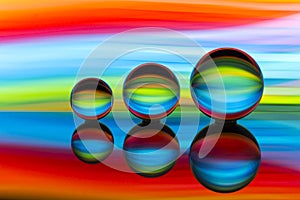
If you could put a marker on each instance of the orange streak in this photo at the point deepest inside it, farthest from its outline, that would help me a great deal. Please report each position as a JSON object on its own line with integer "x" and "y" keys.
{"x": 126, "y": 14}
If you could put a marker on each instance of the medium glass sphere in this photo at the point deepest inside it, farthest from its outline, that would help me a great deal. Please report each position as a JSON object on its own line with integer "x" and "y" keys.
{"x": 151, "y": 91}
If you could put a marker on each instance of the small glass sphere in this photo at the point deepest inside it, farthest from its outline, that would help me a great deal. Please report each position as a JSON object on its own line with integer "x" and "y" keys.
{"x": 151, "y": 150}
{"x": 227, "y": 83}
{"x": 151, "y": 91}
{"x": 91, "y": 99}
{"x": 231, "y": 164}
{"x": 92, "y": 142}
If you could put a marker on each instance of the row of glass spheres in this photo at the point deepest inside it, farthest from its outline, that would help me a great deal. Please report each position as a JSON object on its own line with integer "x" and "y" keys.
{"x": 226, "y": 84}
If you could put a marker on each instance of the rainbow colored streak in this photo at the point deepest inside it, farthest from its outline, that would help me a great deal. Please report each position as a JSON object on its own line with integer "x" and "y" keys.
{"x": 42, "y": 46}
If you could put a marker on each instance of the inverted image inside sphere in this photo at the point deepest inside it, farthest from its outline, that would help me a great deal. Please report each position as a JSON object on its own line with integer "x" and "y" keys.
{"x": 92, "y": 142}
{"x": 227, "y": 84}
{"x": 231, "y": 164}
{"x": 151, "y": 151}
{"x": 151, "y": 91}
{"x": 91, "y": 99}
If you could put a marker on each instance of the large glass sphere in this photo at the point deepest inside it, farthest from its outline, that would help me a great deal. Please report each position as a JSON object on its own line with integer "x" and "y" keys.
{"x": 227, "y": 84}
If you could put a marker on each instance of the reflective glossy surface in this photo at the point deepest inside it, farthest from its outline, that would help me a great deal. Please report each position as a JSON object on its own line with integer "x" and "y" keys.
{"x": 231, "y": 164}
{"x": 92, "y": 142}
{"x": 151, "y": 150}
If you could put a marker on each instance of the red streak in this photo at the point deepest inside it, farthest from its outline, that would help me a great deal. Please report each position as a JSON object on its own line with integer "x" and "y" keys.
{"x": 58, "y": 172}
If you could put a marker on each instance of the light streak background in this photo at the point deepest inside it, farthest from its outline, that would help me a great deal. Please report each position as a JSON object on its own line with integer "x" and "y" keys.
{"x": 42, "y": 46}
